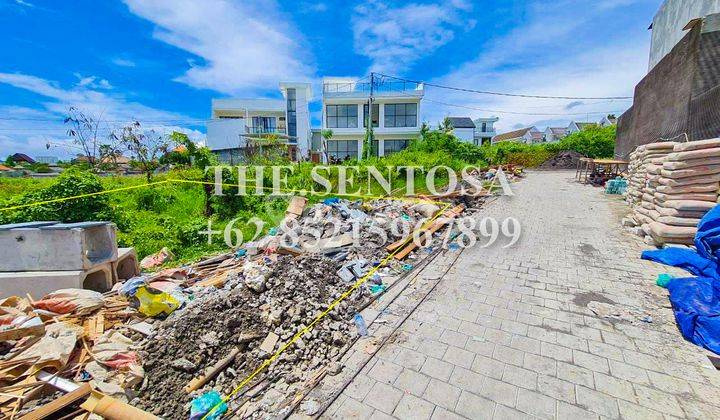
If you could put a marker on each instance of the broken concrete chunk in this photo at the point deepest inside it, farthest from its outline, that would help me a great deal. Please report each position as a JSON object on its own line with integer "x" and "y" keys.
{"x": 268, "y": 345}
{"x": 184, "y": 365}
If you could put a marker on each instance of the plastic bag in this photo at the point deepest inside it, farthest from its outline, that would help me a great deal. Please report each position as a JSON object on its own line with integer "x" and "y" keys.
{"x": 129, "y": 288}
{"x": 154, "y": 303}
{"x": 202, "y": 405}
{"x": 65, "y": 301}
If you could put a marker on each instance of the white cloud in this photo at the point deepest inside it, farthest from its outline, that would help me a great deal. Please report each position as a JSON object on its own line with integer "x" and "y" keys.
{"x": 24, "y": 3}
{"x": 123, "y": 62}
{"x": 394, "y": 38}
{"x": 92, "y": 82}
{"x": 28, "y": 130}
{"x": 245, "y": 46}
{"x": 555, "y": 60}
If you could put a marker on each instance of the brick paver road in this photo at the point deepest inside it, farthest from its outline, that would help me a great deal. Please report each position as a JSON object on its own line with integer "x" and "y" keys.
{"x": 509, "y": 333}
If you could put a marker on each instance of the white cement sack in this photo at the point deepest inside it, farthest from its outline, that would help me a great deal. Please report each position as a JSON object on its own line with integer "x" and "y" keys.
{"x": 695, "y": 188}
{"x": 695, "y": 171}
{"x": 664, "y": 211}
{"x": 688, "y": 205}
{"x": 686, "y": 196}
{"x": 695, "y": 154}
{"x": 691, "y": 180}
{"x": 678, "y": 221}
{"x": 684, "y": 164}
{"x": 696, "y": 145}
{"x": 667, "y": 233}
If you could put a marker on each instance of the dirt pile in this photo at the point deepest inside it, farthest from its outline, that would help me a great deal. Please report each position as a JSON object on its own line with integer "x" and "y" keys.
{"x": 567, "y": 159}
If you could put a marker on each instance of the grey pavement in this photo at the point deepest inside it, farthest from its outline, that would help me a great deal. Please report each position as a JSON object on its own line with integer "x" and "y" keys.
{"x": 509, "y": 332}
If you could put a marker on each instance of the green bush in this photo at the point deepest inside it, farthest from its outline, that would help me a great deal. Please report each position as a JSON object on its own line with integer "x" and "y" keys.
{"x": 71, "y": 183}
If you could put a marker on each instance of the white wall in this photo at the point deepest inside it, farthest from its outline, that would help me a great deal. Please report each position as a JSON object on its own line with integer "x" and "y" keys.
{"x": 304, "y": 133}
{"x": 464, "y": 134}
{"x": 667, "y": 26}
{"x": 225, "y": 133}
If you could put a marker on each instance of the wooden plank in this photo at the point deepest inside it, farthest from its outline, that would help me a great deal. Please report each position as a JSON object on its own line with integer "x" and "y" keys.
{"x": 434, "y": 227}
{"x": 197, "y": 383}
{"x": 48, "y": 409}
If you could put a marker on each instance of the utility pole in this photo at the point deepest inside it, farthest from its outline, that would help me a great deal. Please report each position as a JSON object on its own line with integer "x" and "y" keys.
{"x": 369, "y": 131}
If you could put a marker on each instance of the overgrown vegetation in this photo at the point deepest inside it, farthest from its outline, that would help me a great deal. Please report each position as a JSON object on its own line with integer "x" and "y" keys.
{"x": 174, "y": 214}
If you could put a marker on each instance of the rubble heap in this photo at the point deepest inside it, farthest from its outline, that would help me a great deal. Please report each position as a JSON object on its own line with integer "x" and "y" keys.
{"x": 296, "y": 291}
{"x": 566, "y": 159}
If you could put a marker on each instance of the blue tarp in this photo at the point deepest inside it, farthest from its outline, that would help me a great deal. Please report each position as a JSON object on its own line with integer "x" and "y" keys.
{"x": 696, "y": 300}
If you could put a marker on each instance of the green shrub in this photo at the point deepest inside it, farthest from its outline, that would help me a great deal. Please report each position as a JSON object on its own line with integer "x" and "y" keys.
{"x": 71, "y": 183}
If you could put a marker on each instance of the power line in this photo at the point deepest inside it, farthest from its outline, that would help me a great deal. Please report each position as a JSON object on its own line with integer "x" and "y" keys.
{"x": 517, "y": 95}
{"x": 497, "y": 111}
{"x": 520, "y": 113}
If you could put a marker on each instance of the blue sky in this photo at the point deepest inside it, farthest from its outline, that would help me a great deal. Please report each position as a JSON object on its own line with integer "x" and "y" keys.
{"x": 162, "y": 61}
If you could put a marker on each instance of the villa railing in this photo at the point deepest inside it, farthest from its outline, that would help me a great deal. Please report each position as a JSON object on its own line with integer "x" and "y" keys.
{"x": 379, "y": 87}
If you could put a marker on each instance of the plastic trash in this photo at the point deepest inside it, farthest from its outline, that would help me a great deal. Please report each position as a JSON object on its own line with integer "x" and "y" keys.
{"x": 330, "y": 201}
{"x": 616, "y": 186}
{"x": 360, "y": 324}
{"x": 273, "y": 231}
{"x": 663, "y": 280}
{"x": 376, "y": 289}
{"x": 129, "y": 288}
{"x": 202, "y": 405}
{"x": 154, "y": 303}
{"x": 240, "y": 253}
{"x": 407, "y": 267}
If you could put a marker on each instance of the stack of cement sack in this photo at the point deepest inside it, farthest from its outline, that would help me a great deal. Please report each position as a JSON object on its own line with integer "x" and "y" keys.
{"x": 643, "y": 157}
{"x": 681, "y": 187}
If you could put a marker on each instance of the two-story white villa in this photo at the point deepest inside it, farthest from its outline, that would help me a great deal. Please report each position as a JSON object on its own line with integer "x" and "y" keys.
{"x": 395, "y": 116}
{"x": 238, "y": 125}
{"x": 484, "y": 130}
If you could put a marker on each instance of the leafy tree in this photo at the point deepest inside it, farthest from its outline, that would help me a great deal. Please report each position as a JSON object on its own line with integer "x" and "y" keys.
{"x": 9, "y": 161}
{"x": 446, "y": 125}
{"x": 146, "y": 146}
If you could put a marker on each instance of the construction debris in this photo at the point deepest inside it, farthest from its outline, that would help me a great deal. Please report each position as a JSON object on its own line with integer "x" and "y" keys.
{"x": 169, "y": 341}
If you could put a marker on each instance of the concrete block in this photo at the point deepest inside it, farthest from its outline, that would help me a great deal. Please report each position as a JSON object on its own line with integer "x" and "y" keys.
{"x": 49, "y": 246}
{"x": 40, "y": 283}
{"x": 126, "y": 266}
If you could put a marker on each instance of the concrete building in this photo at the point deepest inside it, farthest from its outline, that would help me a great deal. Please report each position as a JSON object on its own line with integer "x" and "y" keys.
{"x": 484, "y": 130}
{"x": 463, "y": 128}
{"x": 239, "y": 125}
{"x": 554, "y": 134}
{"x": 669, "y": 25}
{"x": 679, "y": 96}
{"x": 523, "y": 135}
{"x": 395, "y": 116}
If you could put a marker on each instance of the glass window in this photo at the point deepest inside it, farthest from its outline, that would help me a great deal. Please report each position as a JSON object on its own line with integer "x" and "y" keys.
{"x": 392, "y": 146}
{"x": 375, "y": 148}
{"x": 340, "y": 150}
{"x": 342, "y": 116}
{"x": 375, "y": 116}
{"x": 401, "y": 115}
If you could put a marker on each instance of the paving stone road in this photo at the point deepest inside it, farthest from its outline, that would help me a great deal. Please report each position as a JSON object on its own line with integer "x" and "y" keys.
{"x": 509, "y": 333}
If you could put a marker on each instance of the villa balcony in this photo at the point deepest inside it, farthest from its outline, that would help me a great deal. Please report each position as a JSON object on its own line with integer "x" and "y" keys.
{"x": 381, "y": 89}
